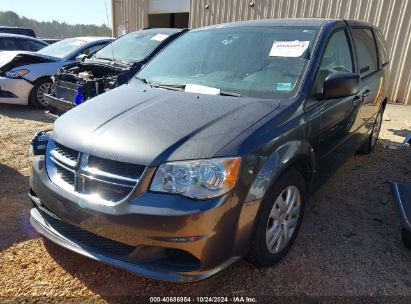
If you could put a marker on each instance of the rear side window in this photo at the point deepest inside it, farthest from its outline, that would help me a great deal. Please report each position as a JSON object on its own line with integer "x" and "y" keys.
{"x": 30, "y": 45}
{"x": 93, "y": 49}
{"x": 366, "y": 50}
{"x": 8, "y": 44}
{"x": 382, "y": 47}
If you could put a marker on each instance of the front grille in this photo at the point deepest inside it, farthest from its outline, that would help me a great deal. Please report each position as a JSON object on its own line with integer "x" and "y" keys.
{"x": 94, "y": 178}
{"x": 66, "y": 175}
{"x": 115, "y": 167}
{"x": 86, "y": 238}
{"x": 66, "y": 152}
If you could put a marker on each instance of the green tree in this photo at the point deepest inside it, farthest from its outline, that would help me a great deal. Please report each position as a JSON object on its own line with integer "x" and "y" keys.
{"x": 54, "y": 29}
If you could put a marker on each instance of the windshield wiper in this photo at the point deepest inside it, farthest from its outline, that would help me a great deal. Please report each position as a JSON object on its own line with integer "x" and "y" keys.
{"x": 181, "y": 87}
{"x": 173, "y": 87}
{"x": 105, "y": 58}
{"x": 143, "y": 80}
{"x": 233, "y": 94}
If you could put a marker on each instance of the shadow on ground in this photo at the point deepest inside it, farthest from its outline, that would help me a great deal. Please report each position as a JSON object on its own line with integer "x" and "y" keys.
{"x": 402, "y": 133}
{"x": 14, "y": 208}
{"x": 349, "y": 244}
{"x": 23, "y": 112}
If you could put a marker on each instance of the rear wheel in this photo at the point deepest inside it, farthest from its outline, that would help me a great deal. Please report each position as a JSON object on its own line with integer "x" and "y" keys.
{"x": 279, "y": 220}
{"x": 369, "y": 145}
{"x": 36, "y": 97}
{"x": 406, "y": 237}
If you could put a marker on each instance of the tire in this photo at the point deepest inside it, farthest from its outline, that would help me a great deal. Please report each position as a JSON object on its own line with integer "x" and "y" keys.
{"x": 406, "y": 238}
{"x": 368, "y": 146}
{"x": 272, "y": 219}
{"x": 36, "y": 98}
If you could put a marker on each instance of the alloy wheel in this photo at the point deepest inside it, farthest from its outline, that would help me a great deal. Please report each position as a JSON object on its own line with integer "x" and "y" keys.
{"x": 283, "y": 219}
{"x": 43, "y": 89}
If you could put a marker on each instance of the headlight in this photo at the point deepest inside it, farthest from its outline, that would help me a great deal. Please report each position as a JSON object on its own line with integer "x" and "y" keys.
{"x": 199, "y": 179}
{"x": 16, "y": 73}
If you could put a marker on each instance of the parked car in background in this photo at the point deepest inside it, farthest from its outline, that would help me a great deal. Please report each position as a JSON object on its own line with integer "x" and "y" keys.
{"x": 110, "y": 67}
{"x": 50, "y": 40}
{"x": 13, "y": 42}
{"x": 211, "y": 152}
{"x": 17, "y": 30}
{"x": 26, "y": 76}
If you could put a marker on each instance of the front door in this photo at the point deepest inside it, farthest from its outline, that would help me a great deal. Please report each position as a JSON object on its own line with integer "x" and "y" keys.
{"x": 339, "y": 120}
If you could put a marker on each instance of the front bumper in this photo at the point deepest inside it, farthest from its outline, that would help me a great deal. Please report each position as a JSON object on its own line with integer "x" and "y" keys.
{"x": 58, "y": 103}
{"x": 207, "y": 235}
{"x": 14, "y": 90}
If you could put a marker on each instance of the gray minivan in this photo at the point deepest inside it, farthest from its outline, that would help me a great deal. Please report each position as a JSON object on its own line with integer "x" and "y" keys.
{"x": 210, "y": 153}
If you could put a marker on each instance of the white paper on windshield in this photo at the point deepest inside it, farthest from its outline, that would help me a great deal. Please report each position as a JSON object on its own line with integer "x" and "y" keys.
{"x": 195, "y": 88}
{"x": 289, "y": 48}
{"x": 159, "y": 37}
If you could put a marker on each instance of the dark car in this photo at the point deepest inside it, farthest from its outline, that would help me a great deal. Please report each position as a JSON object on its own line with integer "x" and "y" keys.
{"x": 110, "y": 67}
{"x": 17, "y": 30}
{"x": 209, "y": 155}
{"x": 12, "y": 42}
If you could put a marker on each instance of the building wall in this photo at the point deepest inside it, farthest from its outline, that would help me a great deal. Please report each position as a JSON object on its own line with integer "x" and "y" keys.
{"x": 130, "y": 14}
{"x": 391, "y": 16}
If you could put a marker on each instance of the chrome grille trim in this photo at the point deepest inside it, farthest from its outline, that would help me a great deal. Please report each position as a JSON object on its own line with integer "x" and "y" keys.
{"x": 62, "y": 159}
{"x": 85, "y": 167}
{"x": 73, "y": 174}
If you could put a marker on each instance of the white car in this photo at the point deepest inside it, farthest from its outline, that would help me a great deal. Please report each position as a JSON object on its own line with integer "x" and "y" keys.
{"x": 26, "y": 76}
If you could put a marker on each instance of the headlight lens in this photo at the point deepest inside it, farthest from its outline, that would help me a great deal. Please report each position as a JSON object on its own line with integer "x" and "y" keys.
{"x": 199, "y": 179}
{"x": 17, "y": 73}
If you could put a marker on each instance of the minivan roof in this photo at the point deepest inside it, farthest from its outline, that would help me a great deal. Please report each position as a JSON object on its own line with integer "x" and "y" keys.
{"x": 313, "y": 22}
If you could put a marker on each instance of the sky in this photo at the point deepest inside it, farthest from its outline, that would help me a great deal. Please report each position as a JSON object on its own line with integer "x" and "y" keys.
{"x": 69, "y": 11}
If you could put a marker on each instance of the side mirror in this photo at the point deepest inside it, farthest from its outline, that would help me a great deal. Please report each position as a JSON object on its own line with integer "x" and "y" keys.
{"x": 81, "y": 57}
{"x": 340, "y": 84}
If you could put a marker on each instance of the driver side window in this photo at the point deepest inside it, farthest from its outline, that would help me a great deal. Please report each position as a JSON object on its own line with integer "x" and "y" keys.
{"x": 337, "y": 58}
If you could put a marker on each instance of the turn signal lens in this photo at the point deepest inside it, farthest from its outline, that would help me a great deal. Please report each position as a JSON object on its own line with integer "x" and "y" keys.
{"x": 17, "y": 73}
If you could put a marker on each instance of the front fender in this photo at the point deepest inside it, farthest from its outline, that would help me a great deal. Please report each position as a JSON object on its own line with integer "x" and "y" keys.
{"x": 271, "y": 166}
{"x": 41, "y": 70}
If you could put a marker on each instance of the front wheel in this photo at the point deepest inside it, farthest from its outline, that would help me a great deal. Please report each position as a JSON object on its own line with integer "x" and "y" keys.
{"x": 36, "y": 97}
{"x": 279, "y": 220}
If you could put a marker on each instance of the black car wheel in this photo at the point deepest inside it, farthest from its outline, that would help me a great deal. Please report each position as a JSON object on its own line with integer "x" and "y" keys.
{"x": 279, "y": 220}
{"x": 369, "y": 145}
{"x": 36, "y": 97}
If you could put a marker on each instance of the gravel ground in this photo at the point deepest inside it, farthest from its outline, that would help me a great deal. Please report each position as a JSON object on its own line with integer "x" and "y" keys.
{"x": 349, "y": 243}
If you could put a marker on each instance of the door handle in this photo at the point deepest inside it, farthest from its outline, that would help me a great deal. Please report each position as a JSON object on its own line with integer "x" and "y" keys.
{"x": 365, "y": 93}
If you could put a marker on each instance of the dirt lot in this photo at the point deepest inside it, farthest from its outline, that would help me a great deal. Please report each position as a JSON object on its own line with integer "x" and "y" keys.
{"x": 349, "y": 242}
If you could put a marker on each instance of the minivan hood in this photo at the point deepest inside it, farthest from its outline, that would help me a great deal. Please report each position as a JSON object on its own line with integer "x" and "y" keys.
{"x": 148, "y": 126}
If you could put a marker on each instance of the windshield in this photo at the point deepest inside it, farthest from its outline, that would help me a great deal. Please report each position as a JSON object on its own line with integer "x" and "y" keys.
{"x": 132, "y": 47}
{"x": 263, "y": 62}
{"x": 62, "y": 48}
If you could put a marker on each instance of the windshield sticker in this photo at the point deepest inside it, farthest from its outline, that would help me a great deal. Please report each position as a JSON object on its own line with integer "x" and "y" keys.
{"x": 196, "y": 88}
{"x": 159, "y": 37}
{"x": 284, "y": 86}
{"x": 289, "y": 48}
